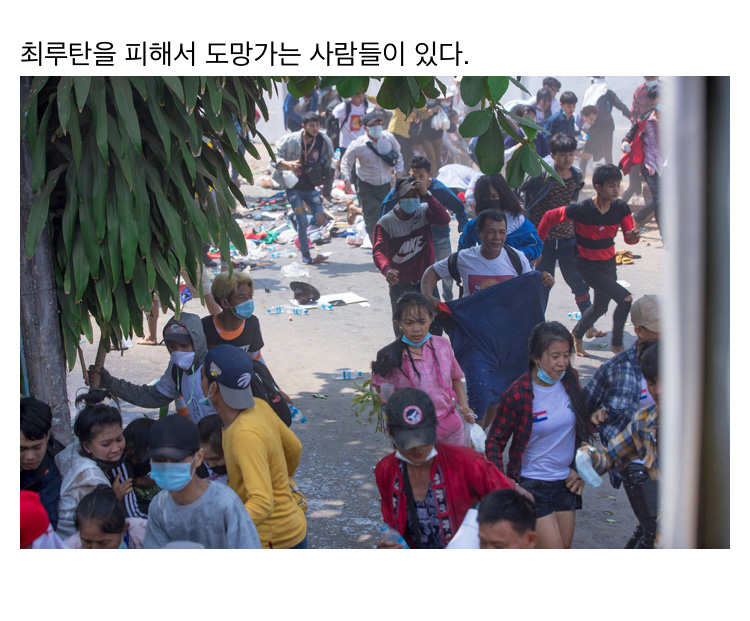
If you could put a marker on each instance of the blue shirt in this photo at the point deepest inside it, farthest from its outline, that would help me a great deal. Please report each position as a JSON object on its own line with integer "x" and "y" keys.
{"x": 290, "y": 102}
{"x": 558, "y": 123}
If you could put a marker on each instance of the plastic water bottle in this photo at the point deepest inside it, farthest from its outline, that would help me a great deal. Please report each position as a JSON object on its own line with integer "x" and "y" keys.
{"x": 574, "y": 315}
{"x": 289, "y": 310}
{"x": 325, "y": 307}
{"x": 337, "y": 155}
{"x": 586, "y": 468}
{"x": 296, "y": 415}
{"x": 284, "y": 254}
{"x": 345, "y": 374}
{"x": 389, "y": 534}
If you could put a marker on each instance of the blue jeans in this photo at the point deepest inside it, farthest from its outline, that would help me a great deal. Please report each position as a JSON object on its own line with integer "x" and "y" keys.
{"x": 562, "y": 251}
{"x": 442, "y": 247}
{"x": 312, "y": 200}
{"x": 302, "y": 545}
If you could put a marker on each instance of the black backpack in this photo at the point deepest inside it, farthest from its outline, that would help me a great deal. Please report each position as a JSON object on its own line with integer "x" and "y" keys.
{"x": 264, "y": 387}
{"x": 333, "y": 125}
{"x": 453, "y": 266}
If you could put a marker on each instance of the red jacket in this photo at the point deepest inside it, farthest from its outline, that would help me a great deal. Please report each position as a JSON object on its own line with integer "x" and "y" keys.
{"x": 460, "y": 477}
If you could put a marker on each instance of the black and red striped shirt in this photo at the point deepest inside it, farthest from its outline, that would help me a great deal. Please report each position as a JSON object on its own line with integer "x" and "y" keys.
{"x": 595, "y": 231}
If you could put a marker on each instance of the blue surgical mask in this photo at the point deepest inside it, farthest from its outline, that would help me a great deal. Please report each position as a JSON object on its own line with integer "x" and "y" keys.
{"x": 171, "y": 476}
{"x": 244, "y": 310}
{"x": 205, "y": 401}
{"x": 408, "y": 205}
{"x": 376, "y": 131}
{"x": 422, "y": 342}
{"x": 445, "y": 104}
{"x": 658, "y": 107}
{"x": 652, "y": 83}
{"x": 542, "y": 375}
{"x": 183, "y": 359}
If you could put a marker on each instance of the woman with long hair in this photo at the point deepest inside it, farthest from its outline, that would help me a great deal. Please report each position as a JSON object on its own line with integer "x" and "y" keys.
{"x": 546, "y": 413}
{"x": 493, "y": 192}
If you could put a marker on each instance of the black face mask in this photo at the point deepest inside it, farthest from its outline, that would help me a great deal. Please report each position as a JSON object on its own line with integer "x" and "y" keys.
{"x": 108, "y": 465}
{"x": 220, "y": 470}
{"x": 489, "y": 204}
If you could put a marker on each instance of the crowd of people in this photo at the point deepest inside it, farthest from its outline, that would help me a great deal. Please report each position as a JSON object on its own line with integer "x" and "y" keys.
{"x": 219, "y": 471}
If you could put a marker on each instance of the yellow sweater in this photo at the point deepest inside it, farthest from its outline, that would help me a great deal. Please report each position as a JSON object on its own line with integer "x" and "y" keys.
{"x": 261, "y": 454}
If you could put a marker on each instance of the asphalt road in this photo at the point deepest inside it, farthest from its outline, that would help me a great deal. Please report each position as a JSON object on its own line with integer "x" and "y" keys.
{"x": 336, "y": 468}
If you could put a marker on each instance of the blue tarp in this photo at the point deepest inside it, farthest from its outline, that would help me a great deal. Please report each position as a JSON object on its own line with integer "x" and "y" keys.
{"x": 490, "y": 333}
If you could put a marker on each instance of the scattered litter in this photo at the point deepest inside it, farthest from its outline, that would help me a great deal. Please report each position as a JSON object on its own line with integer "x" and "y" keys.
{"x": 611, "y": 497}
{"x": 607, "y": 512}
{"x": 319, "y": 396}
{"x": 295, "y": 270}
{"x": 623, "y": 283}
{"x": 364, "y": 304}
{"x": 611, "y": 521}
{"x": 334, "y": 299}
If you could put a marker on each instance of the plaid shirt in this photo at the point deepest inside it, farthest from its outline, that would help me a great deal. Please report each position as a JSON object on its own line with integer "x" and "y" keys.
{"x": 616, "y": 387}
{"x": 514, "y": 417}
{"x": 637, "y": 441}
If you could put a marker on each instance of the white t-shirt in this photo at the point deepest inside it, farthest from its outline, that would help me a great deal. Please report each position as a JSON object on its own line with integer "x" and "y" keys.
{"x": 551, "y": 447}
{"x": 352, "y": 127}
{"x": 478, "y": 273}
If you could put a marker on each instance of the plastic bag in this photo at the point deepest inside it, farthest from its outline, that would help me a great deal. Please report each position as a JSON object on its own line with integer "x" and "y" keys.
{"x": 474, "y": 436}
{"x": 440, "y": 121}
{"x": 294, "y": 270}
{"x": 290, "y": 178}
{"x": 586, "y": 468}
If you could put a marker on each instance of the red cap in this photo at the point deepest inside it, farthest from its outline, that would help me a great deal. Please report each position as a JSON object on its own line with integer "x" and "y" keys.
{"x": 34, "y": 519}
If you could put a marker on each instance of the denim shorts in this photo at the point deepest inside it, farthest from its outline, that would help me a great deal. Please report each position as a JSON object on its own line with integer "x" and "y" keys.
{"x": 551, "y": 496}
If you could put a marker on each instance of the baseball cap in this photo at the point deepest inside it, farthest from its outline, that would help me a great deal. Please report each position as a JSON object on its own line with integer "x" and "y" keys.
{"x": 403, "y": 187}
{"x": 646, "y": 312}
{"x": 174, "y": 437}
{"x": 232, "y": 368}
{"x": 178, "y": 333}
{"x": 371, "y": 117}
{"x": 410, "y": 415}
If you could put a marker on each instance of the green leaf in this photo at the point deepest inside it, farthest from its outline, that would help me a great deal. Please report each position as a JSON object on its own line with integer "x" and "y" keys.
{"x": 99, "y": 108}
{"x": 551, "y": 171}
{"x": 140, "y": 85}
{"x": 100, "y": 185}
{"x": 413, "y": 87}
{"x": 214, "y": 96}
{"x": 472, "y": 90}
{"x": 385, "y": 95}
{"x": 70, "y": 213}
{"x": 526, "y": 122}
{"x": 123, "y": 95}
{"x": 31, "y": 122}
{"x": 128, "y": 226}
{"x": 519, "y": 85}
{"x": 498, "y": 85}
{"x": 476, "y": 123}
{"x": 240, "y": 98}
{"x": 507, "y": 126}
{"x": 530, "y": 160}
{"x": 85, "y": 321}
{"x": 112, "y": 240}
{"x": 300, "y": 86}
{"x": 328, "y": 81}
{"x": 348, "y": 86}
{"x": 514, "y": 170}
{"x": 490, "y": 148}
{"x": 64, "y": 99}
{"x": 103, "y": 289}
{"x": 171, "y": 218}
{"x": 40, "y": 211}
{"x": 80, "y": 267}
{"x": 188, "y": 158}
{"x": 121, "y": 304}
{"x": 402, "y": 95}
{"x": 39, "y": 155}
{"x": 174, "y": 84}
{"x": 157, "y": 115}
{"x": 191, "y": 84}
{"x": 82, "y": 86}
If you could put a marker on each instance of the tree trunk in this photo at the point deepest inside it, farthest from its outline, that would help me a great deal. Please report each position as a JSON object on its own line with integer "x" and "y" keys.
{"x": 40, "y": 317}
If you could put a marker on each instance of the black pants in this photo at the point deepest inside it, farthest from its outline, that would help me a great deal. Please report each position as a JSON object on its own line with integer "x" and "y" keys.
{"x": 653, "y": 182}
{"x": 562, "y": 251}
{"x": 634, "y": 187}
{"x": 643, "y": 494}
{"x": 601, "y": 276}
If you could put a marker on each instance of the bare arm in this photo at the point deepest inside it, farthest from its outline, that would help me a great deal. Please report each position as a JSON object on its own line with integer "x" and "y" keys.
{"x": 429, "y": 281}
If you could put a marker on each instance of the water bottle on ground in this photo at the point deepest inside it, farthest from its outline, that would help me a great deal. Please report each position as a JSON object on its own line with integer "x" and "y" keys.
{"x": 325, "y": 307}
{"x": 289, "y": 310}
{"x": 345, "y": 374}
{"x": 574, "y": 315}
{"x": 389, "y": 534}
{"x": 296, "y": 415}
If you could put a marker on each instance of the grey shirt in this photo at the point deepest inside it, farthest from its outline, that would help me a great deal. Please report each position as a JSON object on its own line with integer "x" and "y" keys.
{"x": 217, "y": 520}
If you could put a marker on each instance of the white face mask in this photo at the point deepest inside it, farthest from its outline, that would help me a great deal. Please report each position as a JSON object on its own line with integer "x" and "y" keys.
{"x": 432, "y": 454}
{"x": 376, "y": 131}
{"x": 183, "y": 359}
